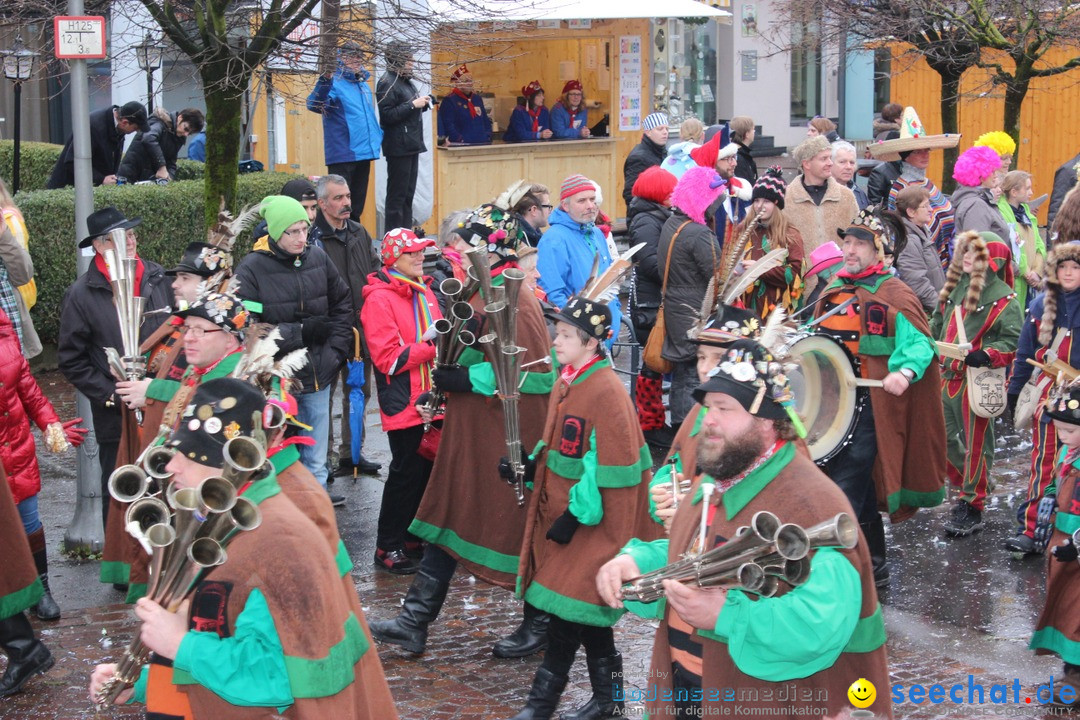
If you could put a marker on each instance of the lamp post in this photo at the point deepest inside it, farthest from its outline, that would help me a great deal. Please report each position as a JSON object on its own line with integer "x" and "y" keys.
{"x": 18, "y": 67}
{"x": 149, "y": 54}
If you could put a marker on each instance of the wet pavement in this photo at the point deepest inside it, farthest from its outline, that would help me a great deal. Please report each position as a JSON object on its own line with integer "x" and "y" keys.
{"x": 956, "y": 607}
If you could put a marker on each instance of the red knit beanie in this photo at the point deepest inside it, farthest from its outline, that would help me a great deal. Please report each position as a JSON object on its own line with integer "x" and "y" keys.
{"x": 571, "y": 85}
{"x": 575, "y": 184}
{"x": 654, "y": 184}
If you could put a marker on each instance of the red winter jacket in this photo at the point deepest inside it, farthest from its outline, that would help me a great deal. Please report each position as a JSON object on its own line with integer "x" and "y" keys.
{"x": 390, "y": 329}
{"x": 21, "y": 400}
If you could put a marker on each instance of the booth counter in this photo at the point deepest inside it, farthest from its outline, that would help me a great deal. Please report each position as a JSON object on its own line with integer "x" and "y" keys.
{"x": 464, "y": 173}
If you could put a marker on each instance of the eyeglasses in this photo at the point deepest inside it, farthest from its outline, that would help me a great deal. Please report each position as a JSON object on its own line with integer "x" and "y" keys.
{"x": 197, "y": 332}
{"x": 548, "y": 207}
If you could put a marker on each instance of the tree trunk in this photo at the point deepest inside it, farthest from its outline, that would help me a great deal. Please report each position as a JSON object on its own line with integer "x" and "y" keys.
{"x": 223, "y": 113}
{"x": 950, "y": 123}
{"x": 1015, "y": 92}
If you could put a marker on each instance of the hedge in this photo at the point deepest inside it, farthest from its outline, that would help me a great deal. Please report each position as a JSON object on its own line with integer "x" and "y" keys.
{"x": 172, "y": 217}
{"x": 36, "y": 161}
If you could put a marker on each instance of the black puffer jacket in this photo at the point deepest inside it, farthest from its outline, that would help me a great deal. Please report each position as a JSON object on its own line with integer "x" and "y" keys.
{"x": 646, "y": 220}
{"x": 153, "y": 149}
{"x": 644, "y": 155}
{"x": 880, "y": 182}
{"x": 290, "y": 288}
{"x": 353, "y": 254}
{"x": 692, "y": 266}
{"x": 745, "y": 165}
{"x": 88, "y": 324}
{"x": 402, "y": 124}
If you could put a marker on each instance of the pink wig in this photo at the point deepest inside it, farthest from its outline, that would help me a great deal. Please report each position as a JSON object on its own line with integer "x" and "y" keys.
{"x": 696, "y": 190}
{"x": 975, "y": 165}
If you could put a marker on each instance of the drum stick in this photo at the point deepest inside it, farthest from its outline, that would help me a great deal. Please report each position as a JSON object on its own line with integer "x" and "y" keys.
{"x": 867, "y": 383}
{"x": 836, "y": 310}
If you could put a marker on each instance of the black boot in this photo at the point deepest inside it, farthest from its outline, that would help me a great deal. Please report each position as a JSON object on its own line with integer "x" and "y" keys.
{"x": 874, "y": 531}
{"x": 603, "y": 674}
{"x": 46, "y": 608}
{"x": 27, "y": 656}
{"x": 544, "y": 697}
{"x": 530, "y": 636}
{"x": 422, "y": 604}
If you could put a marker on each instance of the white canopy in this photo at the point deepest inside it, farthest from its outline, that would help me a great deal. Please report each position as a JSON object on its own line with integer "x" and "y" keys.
{"x": 517, "y": 10}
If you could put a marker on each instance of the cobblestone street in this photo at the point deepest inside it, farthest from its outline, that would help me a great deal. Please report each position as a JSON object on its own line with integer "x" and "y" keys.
{"x": 955, "y": 608}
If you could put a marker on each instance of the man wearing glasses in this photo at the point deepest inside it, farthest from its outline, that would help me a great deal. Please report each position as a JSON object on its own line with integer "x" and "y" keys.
{"x": 533, "y": 209}
{"x": 107, "y": 130}
{"x": 88, "y": 324}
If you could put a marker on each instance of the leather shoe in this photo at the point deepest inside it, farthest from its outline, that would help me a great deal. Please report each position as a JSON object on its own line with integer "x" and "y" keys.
{"x": 395, "y": 562}
{"x": 364, "y": 467}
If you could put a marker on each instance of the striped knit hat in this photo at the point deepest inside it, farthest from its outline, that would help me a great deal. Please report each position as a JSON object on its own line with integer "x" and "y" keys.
{"x": 770, "y": 186}
{"x": 653, "y": 121}
{"x": 575, "y": 184}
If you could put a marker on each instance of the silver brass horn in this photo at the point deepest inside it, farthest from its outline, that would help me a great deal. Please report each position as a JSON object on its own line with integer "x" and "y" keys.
{"x": 128, "y": 483}
{"x": 156, "y": 459}
{"x": 243, "y": 456}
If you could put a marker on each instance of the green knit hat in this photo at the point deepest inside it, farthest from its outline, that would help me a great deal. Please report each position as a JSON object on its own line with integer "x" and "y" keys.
{"x": 281, "y": 211}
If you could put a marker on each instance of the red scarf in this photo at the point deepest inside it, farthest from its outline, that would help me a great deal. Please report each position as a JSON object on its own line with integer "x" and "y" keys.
{"x": 874, "y": 269}
{"x": 99, "y": 263}
{"x": 473, "y": 110}
{"x": 568, "y": 374}
{"x": 535, "y": 113}
{"x": 572, "y": 113}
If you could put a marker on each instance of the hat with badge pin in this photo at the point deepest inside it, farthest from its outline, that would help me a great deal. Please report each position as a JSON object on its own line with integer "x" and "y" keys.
{"x": 225, "y": 310}
{"x": 757, "y": 379}
{"x": 494, "y": 227}
{"x": 220, "y": 410}
{"x": 202, "y": 259}
{"x": 1063, "y": 402}
{"x": 729, "y": 324}
{"x": 591, "y": 316}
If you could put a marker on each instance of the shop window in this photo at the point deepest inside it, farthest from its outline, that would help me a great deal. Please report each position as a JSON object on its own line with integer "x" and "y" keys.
{"x": 805, "y": 71}
{"x": 882, "y": 77}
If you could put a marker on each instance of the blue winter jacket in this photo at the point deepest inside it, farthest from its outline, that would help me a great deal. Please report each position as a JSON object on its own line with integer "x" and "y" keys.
{"x": 565, "y": 257}
{"x": 1068, "y": 316}
{"x": 457, "y": 124}
{"x": 520, "y": 127}
{"x": 560, "y": 123}
{"x": 351, "y": 131}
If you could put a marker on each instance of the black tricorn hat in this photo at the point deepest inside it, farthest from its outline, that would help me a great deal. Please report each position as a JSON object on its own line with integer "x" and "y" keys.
{"x": 102, "y": 221}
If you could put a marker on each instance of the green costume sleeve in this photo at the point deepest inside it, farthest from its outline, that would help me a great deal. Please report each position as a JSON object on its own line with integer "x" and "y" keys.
{"x": 585, "y": 501}
{"x": 482, "y": 377}
{"x": 937, "y": 324}
{"x": 139, "y": 696}
{"x": 661, "y": 476}
{"x": 246, "y": 669}
{"x": 649, "y": 556}
{"x": 162, "y": 390}
{"x": 913, "y": 350}
{"x": 816, "y": 619}
{"x": 1005, "y": 335}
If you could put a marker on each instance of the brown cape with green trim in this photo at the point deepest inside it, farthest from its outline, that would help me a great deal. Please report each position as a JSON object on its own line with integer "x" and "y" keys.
{"x": 561, "y": 579}
{"x": 287, "y": 559}
{"x": 909, "y": 471}
{"x": 19, "y": 584}
{"x": 799, "y": 494}
{"x": 467, "y": 508}
{"x": 1060, "y": 613}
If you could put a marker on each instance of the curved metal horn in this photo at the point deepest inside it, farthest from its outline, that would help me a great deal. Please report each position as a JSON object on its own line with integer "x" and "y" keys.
{"x": 840, "y": 531}
{"x": 128, "y": 483}
{"x": 156, "y": 459}
{"x": 243, "y": 456}
{"x": 146, "y": 512}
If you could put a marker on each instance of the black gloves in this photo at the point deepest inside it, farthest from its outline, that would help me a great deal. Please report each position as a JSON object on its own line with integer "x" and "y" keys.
{"x": 315, "y": 329}
{"x": 1065, "y": 552}
{"x": 1010, "y": 404}
{"x": 452, "y": 379}
{"x": 506, "y": 472}
{"x": 977, "y": 359}
{"x": 563, "y": 528}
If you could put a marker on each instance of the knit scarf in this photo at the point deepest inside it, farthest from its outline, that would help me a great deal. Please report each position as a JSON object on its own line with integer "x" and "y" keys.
{"x": 535, "y": 114}
{"x": 421, "y": 317}
{"x": 572, "y": 113}
{"x": 849, "y": 277}
{"x": 569, "y": 374}
{"x": 99, "y": 263}
{"x": 473, "y": 110}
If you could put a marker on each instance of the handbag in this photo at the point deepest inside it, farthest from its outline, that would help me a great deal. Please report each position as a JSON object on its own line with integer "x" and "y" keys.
{"x": 1030, "y": 395}
{"x": 654, "y": 345}
{"x": 985, "y": 386}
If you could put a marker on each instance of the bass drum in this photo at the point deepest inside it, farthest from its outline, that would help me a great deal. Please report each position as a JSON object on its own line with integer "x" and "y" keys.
{"x": 826, "y": 397}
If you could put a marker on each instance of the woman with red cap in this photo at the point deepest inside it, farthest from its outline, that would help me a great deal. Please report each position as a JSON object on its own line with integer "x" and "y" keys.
{"x": 398, "y": 316}
{"x": 530, "y": 121}
{"x": 569, "y": 117}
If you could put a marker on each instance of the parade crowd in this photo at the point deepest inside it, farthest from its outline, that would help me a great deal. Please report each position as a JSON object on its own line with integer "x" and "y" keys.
{"x": 517, "y": 455}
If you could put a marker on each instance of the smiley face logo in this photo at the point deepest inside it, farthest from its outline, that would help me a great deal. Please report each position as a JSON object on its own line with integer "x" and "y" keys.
{"x": 862, "y": 693}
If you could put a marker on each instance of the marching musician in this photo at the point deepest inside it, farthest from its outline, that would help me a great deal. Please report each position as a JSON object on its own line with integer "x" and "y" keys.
{"x": 895, "y": 459}
{"x": 769, "y": 229}
{"x": 286, "y": 641}
{"x": 991, "y": 319}
{"x": 399, "y": 315}
{"x": 463, "y": 516}
{"x": 716, "y": 638}
{"x": 591, "y": 469}
{"x": 164, "y": 368}
{"x": 88, "y": 324}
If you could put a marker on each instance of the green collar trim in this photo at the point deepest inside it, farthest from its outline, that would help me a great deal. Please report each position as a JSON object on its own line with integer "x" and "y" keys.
{"x": 260, "y": 490}
{"x": 748, "y": 488}
{"x": 224, "y": 367}
{"x": 699, "y": 421}
{"x": 284, "y": 458}
{"x": 871, "y": 283}
{"x": 598, "y": 365}
{"x": 1062, "y": 452}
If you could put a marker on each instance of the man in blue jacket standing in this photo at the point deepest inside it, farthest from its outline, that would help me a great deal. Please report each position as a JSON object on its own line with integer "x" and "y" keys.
{"x": 351, "y": 132}
{"x": 463, "y": 119}
{"x": 568, "y": 246}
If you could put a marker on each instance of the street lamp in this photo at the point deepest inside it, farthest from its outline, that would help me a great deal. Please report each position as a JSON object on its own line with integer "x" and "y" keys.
{"x": 149, "y": 54}
{"x": 18, "y": 67}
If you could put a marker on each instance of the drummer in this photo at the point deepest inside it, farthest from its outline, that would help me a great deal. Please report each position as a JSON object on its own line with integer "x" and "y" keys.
{"x": 991, "y": 318}
{"x": 895, "y": 459}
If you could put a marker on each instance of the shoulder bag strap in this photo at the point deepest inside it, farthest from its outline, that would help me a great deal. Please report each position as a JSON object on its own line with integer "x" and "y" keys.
{"x": 667, "y": 263}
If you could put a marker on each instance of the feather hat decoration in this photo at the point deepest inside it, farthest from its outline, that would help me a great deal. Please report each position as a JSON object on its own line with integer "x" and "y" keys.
{"x": 605, "y": 287}
{"x": 511, "y": 196}
{"x": 258, "y": 364}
